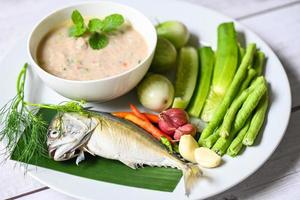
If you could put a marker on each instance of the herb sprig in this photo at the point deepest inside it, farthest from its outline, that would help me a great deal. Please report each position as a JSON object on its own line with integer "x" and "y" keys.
{"x": 97, "y": 28}
{"x": 19, "y": 117}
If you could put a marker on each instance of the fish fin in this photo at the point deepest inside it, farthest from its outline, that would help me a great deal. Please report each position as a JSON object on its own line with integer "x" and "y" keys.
{"x": 191, "y": 173}
{"x": 80, "y": 157}
{"x": 129, "y": 164}
{"x": 89, "y": 151}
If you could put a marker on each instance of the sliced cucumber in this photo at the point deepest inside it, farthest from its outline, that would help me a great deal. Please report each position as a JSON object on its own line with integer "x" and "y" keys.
{"x": 204, "y": 80}
{"x": 186, "y": 77}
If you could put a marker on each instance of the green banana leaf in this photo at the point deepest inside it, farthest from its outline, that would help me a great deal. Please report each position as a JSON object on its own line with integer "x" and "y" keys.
{"x": 97, "y": 168}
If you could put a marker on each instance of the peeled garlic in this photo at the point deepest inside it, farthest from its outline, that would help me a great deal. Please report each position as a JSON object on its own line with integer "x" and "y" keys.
{"x": 187, "y": 146}
{"x": 207, "y": 158}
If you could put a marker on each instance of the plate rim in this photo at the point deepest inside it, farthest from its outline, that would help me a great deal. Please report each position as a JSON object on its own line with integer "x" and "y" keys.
{"x": 241, "y": 25}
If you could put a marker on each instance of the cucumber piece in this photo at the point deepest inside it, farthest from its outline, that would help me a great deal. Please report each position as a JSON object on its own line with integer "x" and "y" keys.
{"x": 186, "y": 77}
{"x": 204, "y": 80}
{"x": 225, "y": 68}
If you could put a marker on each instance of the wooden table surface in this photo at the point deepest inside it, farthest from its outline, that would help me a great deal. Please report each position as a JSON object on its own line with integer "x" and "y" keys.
{"x": 276, "y": 21}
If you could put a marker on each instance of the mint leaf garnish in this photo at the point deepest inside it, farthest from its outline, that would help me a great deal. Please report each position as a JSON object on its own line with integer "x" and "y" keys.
{"x": 77, "y": 31}
{"x": 79, "y": 28}
{"x": 112, "y": 22}
{"x": 95, "y": 25}
{"x": 77, "y": 18}
{"x": 98, "y": 41}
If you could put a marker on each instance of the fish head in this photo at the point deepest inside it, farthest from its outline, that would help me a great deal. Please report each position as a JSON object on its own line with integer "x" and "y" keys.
{"x": 67, "y": 134}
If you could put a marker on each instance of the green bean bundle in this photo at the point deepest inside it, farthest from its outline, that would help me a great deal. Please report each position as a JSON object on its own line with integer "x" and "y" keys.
{"x": 236, "y": 105}
{"x": 231, "y": 92}
{"x": 244, "y": 113}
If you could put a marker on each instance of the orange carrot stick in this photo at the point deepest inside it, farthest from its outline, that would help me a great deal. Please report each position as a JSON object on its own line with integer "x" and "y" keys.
{"x": 120, "y": 114}
{"x": 152, "y": 117}
{"x": 147, "y": 126}
{"x": 137, "y": 113}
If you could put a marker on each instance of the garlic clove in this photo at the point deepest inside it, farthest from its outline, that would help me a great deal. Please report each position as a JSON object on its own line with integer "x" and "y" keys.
{"x": 187, "y": 146}
{"x": 207, "y": 158}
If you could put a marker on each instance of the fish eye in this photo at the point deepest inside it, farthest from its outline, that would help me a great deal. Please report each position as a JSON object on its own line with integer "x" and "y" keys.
{"x": 53, "y": 134}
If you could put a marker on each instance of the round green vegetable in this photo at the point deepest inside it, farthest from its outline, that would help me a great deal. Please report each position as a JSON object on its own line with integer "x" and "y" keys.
{"x": 164, "y": 57}
{"x": 176, "y": 32}
{"x": 155, "y": 92}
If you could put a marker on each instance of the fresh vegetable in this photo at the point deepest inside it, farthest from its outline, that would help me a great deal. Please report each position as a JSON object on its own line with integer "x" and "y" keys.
{"x": 251, "y": 73}
{"x": 223, "y": 143}
{"x": 150, "y": 128}
{"x": 174, "y": 122}
{"x": 186, "y": 77}
{"x": 211, "y": 140}
{"x": 207, "y": 158}
{"x": 231, "y": 93}
{"x": 155, "y": 92}
{"x": 237, "y": 144}
{"x": 164, "y": 57}
{"x": 259, "y": 62}
{"x": 249, "y": 105}
{"x": 187, "y": 129}
{"x": 164, "y": 140}
{"x": 224, "y": 69}
{"x": 241, "y": 53}
{"x": 187, "y": 146}
{"x": 234, "y": 108}
{"x": 137, "y": 113}
{"x": 171, "y": 119}
{"x": 257, "y": 121}
{"x": 176, "y": 32}
{"x": 98, "y": 29}
{"x": 167, "y": 144}
{"x": 152, "y": 117}
{"x": 206, "y": 55}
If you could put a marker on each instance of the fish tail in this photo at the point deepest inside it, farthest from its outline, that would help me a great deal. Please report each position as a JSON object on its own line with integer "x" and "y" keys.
{"x": 191, "y": 173}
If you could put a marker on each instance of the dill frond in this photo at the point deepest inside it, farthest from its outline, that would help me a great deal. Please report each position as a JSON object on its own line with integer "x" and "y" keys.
{"x": 21, "y": 127}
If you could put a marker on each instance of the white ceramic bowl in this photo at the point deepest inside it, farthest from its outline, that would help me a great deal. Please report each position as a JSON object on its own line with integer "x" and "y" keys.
{"x": 94, "y": 90}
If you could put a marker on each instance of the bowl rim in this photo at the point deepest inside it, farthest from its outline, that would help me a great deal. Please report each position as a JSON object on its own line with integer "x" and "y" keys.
{"x": 39, "y": 68}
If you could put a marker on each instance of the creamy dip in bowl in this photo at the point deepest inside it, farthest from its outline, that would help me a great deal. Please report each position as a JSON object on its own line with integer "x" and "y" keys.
{"x": 75, "y": 70}
{"x": 72, "y": 58}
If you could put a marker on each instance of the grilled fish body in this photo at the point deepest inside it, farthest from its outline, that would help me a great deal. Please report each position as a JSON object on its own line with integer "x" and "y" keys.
{"x": 107, "y": 136}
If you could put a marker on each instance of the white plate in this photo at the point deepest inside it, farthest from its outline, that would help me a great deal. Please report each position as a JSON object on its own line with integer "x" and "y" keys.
{"x": 203, "y": 23}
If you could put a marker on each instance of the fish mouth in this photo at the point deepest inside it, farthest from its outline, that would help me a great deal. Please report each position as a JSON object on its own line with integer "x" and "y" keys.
{"x": 69, "y": 148}
{"x": 52, "y": 153}
{"x": 63, "y": 156}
